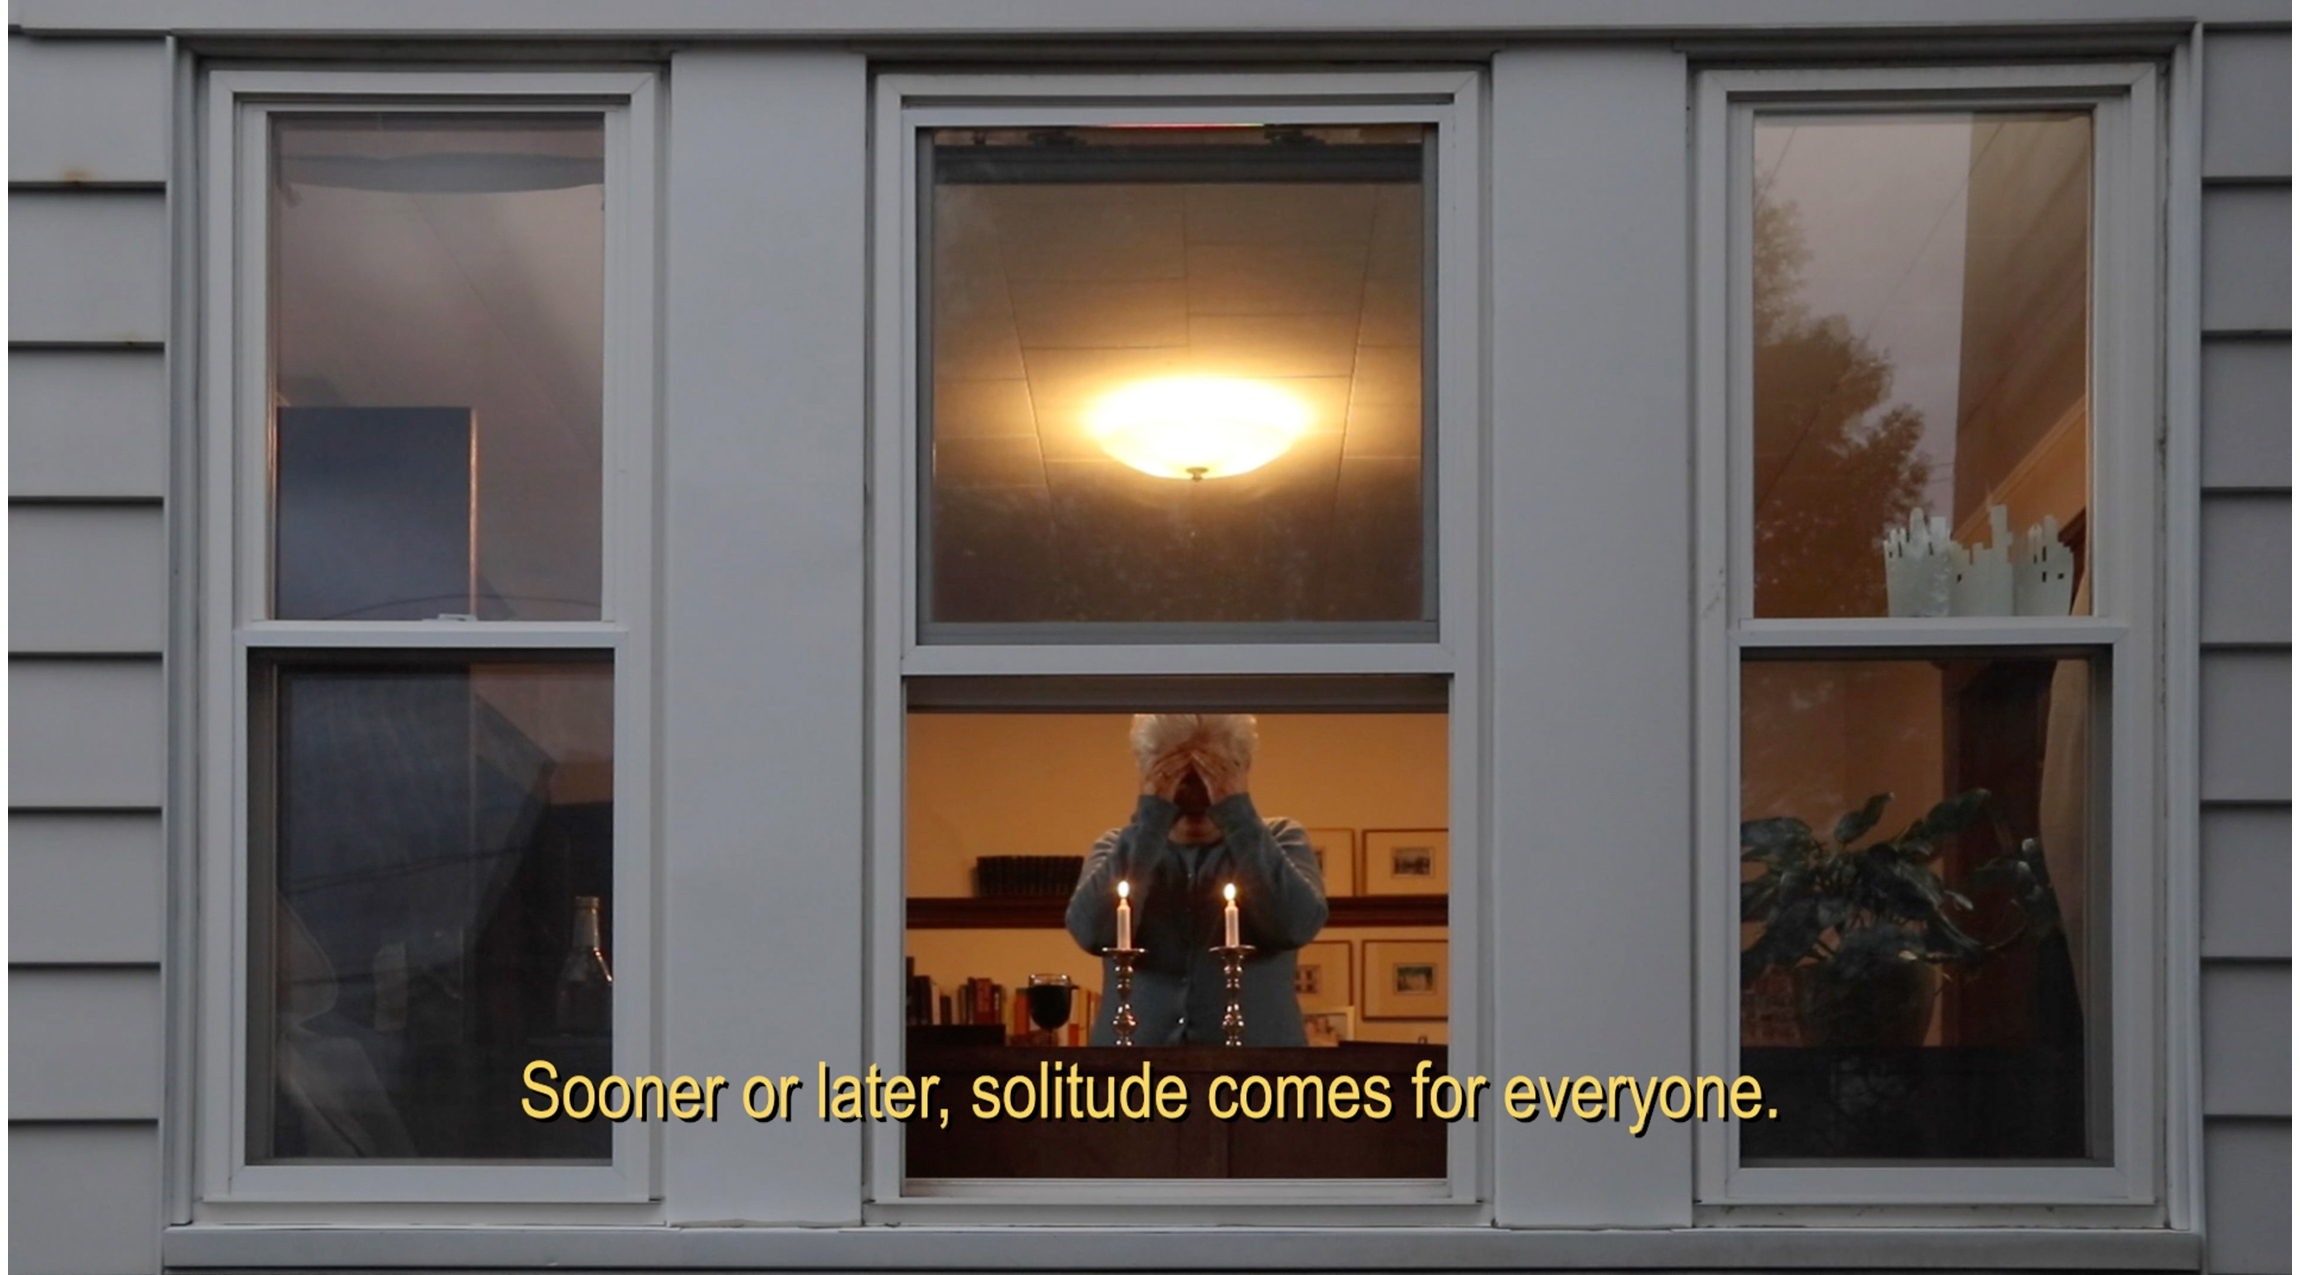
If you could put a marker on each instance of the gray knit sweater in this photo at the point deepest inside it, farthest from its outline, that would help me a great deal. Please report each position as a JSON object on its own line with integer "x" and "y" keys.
{"x": 1177, "y": 896}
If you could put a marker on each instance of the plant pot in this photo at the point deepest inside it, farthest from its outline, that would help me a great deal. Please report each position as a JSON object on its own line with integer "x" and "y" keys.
{"x": 1887, "y": 1003}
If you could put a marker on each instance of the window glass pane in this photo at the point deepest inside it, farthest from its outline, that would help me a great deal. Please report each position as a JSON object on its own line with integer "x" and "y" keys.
{"x": 1919, "y": 333}
{"x": 1177, "y": 374}
{"x": 1019, "y": 827}
{"x": 437, "y": 318}
{"x": 1920, "y": 935}
{"x": 436, "y": 908}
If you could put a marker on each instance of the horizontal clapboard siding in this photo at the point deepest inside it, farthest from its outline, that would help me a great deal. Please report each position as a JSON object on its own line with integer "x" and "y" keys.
{"x": 2247, "y": 411}
{"x": 2245, "y": 593}
{"x": 83, "y": 1199}
{"x": 2247, "y": 1052}
{"x": 2247, "y": 743}
{"x": 91, "y": 1045}
{"x": 2247, "y": 259}
{"x": 87, "y": 423}
{"x": 87, "y": 579}
{"x": 86, "y": 734}
{"x": 2246, "y": 589}
{"x": 2247, "y": 104}
{"x": 89, "y": 293}
{"x": 2248, "y": 1212}
{"x": 85, "y": 889}
{"x": 87, "y": 267}
{"x": 2248, "y": 882}
{"x": 87, "y": 111}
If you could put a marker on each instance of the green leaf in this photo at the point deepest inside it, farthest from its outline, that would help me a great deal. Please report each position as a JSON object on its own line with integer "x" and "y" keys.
{"x": 1952, "y": 816}
{"x": 1759, "y": 895}
{"x": 1780, "y": 841}
{"x": 1857, "y": 824}
{"x": 1833, "y": 911}
{"x": 1786, "y": 940}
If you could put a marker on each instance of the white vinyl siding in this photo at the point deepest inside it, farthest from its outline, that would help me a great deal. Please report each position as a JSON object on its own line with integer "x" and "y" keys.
{"x": 96, "y": 1055}
{"x": 88, "y": 579}
{"x": 87, "y": 267}
{"x": 2247, "y": 591}
{"x": 83, "y": 1199}
{"x": 86, "y": 734}
{"x": 2247, "y": 104}
{"x": 88, "y": 295}
{"x": 83, "y": 112}
{"x": 87, "y": 423}
{"x": 2248, "y": 882}
{"x": 2244, "y": 586}
{"x": 2246, "y": 747}
{"x": 2247, "y": 1070}
{"x": 2247, "y": 258}
{"x": 2248, "y": 1184}
{"x": 85, "y": 889}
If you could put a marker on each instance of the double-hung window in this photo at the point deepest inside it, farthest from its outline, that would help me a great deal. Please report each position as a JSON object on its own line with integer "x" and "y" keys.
{"x": 1930, "y": 838}
{"x": 1177, "y": 404}
{"x": 425, "y": 632}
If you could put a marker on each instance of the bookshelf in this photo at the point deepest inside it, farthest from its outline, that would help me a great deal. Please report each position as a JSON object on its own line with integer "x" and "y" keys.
{"x": 1029, "y": 913}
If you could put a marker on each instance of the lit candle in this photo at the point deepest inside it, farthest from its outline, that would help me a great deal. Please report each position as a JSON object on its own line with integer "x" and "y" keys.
{"x": 1229, "y": 916}
{"x": 1125, "y": 917}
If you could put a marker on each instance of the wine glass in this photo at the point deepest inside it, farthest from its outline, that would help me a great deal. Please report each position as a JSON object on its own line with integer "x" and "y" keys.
{"x": 1049, "y": 996}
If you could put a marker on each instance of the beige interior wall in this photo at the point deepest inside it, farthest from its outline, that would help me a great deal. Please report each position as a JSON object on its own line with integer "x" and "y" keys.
{"x": 1050, "y": 783}
{"x": 1818, "y": 740}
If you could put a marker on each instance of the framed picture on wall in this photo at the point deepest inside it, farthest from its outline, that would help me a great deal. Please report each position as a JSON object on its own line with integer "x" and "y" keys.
{"x": 1330, "y": 1027}
{"x": 1405, "y": 978}
{"x": 1404, "y": 861}
{"x": 1322, "y": 976}
{"x": 1337, "y": 851}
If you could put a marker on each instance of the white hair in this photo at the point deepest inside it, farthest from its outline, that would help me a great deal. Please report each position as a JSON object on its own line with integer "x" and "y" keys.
{"x": 1229, "y": 736}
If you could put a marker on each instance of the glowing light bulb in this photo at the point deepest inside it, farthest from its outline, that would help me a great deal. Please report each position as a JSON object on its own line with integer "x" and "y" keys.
{"x": 1197, "y": 427}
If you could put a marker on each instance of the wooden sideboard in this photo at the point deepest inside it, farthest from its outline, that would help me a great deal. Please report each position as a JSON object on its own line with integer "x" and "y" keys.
{"x": 1196, "y": 1146}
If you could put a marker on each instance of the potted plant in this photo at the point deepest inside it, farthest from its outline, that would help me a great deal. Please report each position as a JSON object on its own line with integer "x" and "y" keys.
{"x": 1866, "y": 928}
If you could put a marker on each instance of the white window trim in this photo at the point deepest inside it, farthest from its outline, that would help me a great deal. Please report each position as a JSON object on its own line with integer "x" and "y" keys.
{"x": 1451, "y": 100}
{"x": 232, "y": 406}
{"x": 2127, "y": 358}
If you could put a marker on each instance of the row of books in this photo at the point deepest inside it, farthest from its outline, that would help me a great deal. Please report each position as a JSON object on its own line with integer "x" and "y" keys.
{"x": 983, "y": 1002}
{"x": 1038, "y": 876}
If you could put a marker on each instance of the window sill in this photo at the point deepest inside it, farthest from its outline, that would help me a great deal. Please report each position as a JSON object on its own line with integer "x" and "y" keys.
{"x": 1120, "y": 1248}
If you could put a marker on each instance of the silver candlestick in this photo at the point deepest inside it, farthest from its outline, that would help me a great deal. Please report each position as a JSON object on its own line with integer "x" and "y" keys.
{"x": 1233, "y": 988}
{"x": 1123, "y": 1022}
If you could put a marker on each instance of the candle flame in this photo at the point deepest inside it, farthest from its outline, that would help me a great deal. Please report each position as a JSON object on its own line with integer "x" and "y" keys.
{"x": 1230, "y": 893}
{"x": 1124, "y": 889}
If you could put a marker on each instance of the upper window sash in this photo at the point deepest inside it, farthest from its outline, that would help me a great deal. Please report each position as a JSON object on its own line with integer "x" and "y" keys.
{"x": 2124, "y": 354}
{"x": 241, "y": 110}
{"x": 2121, "y": 393}
{"x": 541, "y": 577}
{"x": 1056, "y": 388}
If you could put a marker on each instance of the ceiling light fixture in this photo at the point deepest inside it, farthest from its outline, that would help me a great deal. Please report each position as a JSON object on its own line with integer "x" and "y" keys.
{"x": 1197, "y": 427}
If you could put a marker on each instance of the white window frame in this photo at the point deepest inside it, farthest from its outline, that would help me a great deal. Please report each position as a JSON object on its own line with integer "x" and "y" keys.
{"x": 237, "y": 107}
{"x": 1451, "y": 100}
{"x": 2126, "y": 369}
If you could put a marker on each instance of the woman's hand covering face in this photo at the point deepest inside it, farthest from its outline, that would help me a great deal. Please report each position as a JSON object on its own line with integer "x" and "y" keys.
{"x": 1164, "y": 777}
{"x": 1222, "y": 777}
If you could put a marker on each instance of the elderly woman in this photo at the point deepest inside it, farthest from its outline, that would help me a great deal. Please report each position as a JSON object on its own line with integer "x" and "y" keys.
{"x": 1195, "y": 830}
